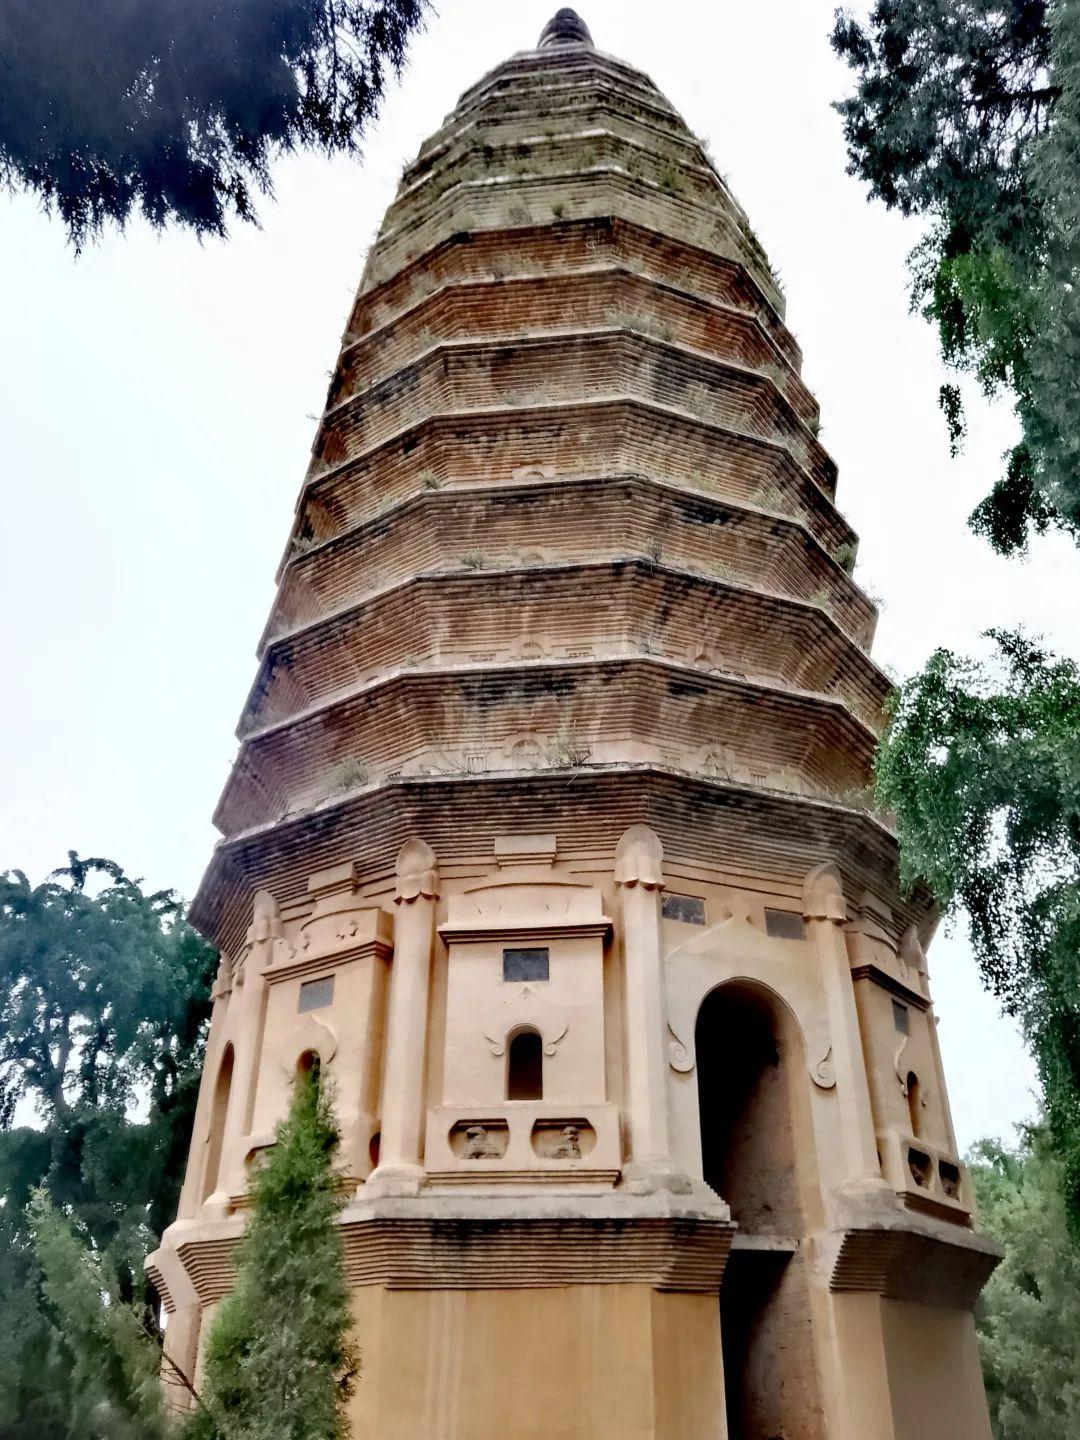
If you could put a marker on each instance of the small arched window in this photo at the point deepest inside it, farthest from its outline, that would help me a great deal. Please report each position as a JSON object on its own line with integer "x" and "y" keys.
{"x": 310, "y": 1063}
{"x": 525, "y": 1067}
{"x": 914, "y": 1103}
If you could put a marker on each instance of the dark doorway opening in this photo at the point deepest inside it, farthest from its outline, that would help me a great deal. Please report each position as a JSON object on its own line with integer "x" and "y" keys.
{"x": 525, "y": 1067}
{"x": 750, "y": 1065}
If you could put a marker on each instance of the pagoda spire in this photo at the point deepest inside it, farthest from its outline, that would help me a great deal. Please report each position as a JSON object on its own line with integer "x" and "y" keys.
{"x": 565, "y": 27}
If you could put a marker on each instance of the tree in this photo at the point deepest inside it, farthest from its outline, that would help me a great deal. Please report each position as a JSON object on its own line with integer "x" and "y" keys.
{"x": 177, "y": 108}
{"x": 115, "y": 1391}
{"x": 1029, "y": 1314}
{"x": 981, "y": 766}
{"x": 35, "y": 1371}
{"x": 104, "y": 1000}
{"x": 104, "y": 1003}
{"x": 969, "y": 115}
{"x": 279, "y": 1361}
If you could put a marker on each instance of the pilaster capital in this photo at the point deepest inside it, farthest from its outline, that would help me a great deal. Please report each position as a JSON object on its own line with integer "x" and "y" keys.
{"x": 223, "y": 981}
{"x": 639, "y": 859}
{"x": 265, "y": 919}
{"x": 823, "y": 895}
{"x": 264, "y": 936}
{"x": 416, "y": 872}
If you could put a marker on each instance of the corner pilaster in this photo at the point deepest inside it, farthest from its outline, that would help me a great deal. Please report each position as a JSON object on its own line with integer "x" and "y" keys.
{"x": 639, "y": 858}
{"x": 400, "y": 1170}
{"x": 825, "y": 913}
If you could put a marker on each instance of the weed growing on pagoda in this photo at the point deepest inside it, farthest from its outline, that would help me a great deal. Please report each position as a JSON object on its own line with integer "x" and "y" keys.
{"x": 279, "y": 1361}
{"x": 349, "y": 775}
{"x": 568, "y": 749}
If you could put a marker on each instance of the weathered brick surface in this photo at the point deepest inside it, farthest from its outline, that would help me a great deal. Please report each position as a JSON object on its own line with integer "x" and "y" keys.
{"x": 566, "y": 506}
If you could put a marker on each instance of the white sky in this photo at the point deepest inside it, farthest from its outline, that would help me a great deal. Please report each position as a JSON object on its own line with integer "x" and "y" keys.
{"x": 157, "y": 404}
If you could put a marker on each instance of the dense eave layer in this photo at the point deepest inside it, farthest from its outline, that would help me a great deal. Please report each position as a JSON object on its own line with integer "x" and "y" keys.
{"x": 539, "y": 522}
{"x": 567, "y": 515}
{"x": 703, "y": 822}
{"x": 606, "y": 609}
{"x": 486, "y": 718}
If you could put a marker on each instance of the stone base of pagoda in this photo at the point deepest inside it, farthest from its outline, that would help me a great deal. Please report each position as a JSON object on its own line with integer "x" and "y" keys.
{"x": 481, "y": 1316}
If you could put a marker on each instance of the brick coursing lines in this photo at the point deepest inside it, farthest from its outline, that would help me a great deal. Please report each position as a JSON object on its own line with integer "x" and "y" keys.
{"x": 571, "y": 521}
{"x": 612, "y": 436}
{"x": 599, "y": 191}
{"x": 609, "y": 362}
{"x": 424, "y": 618}
{"x": 738, "y": 828}
{"x": 906, "y": 1265}
{"x": 531, "y": 74}
{"x": 593, "y": 109}
{"x": 568, "y": 246}
{"x": 423, "y": 715}
{"x": 565, "y": 154}
{"x": 645, "y": 100}
{"x": 683, "y": 1253}
{"x": 529, "y": 441}
{"x": 444, "y": 149}
{"x": 507, "y": 309}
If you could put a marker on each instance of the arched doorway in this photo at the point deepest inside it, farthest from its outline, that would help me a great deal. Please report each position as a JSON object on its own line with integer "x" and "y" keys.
{"x": 756, "y": 1149}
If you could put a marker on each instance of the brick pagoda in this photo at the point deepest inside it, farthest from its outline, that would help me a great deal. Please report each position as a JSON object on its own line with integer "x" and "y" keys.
{"x": 548, "y": 835}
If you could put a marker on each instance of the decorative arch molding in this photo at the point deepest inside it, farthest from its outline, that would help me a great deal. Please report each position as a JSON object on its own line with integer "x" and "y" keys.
{"x": 526, "y": 1010}
{"x": 734, "y": 949}
{"x": 313, "y": 1033}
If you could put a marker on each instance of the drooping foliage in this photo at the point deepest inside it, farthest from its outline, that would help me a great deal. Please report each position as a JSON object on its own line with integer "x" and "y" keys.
{"x": 981, "y": 766}
{"x": 279, "y": 1361}
{"x": 114, "y": 1391}
{"x": 104, "y": 1001}
{"x": 177, "y": 108}
{"x": 967, "y": 113}
{"x": 1028, "y": 1318}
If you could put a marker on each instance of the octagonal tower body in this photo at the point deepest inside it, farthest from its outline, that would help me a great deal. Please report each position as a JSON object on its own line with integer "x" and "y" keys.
{"x": 548, "y": 834}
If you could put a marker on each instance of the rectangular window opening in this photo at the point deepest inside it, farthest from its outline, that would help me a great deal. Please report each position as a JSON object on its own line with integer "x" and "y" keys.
{"x": 315, "y": 994}
{"x": 901, "y": 1019}
{"x": 784, "y": 925}
{"x": 526, "y": 964}
{"x": 689, "y": 909}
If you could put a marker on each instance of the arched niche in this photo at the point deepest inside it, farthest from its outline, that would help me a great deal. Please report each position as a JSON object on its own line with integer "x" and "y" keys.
{"x": 310, "y": 1064}
{"x": 525, "y": 1065}
{"x": 218, "y": 1113}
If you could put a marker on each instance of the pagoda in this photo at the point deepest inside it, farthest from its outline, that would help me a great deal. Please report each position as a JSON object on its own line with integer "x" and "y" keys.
{"x": 549, "y": 835}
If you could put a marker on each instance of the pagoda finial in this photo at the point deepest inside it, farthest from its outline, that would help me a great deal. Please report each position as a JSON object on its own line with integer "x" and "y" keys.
{"x": 565, "y": 27}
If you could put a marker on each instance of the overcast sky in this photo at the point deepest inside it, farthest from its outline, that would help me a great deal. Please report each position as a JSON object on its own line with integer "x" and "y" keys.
{"x": 157, "y": 405}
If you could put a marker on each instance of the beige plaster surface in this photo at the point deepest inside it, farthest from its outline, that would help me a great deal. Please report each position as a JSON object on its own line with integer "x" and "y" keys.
{"x": 589, "y": 1362}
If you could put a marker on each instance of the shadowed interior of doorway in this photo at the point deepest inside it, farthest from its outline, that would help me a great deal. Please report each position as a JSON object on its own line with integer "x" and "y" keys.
{"x": 750, "y": 1065}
